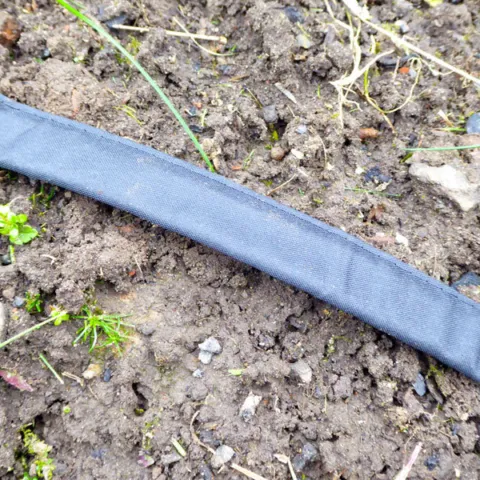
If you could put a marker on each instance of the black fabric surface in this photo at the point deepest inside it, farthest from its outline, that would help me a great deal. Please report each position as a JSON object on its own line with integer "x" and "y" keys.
{"x": 291, "y": 246}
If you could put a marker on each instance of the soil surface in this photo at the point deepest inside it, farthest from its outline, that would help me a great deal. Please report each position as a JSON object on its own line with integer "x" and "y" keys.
{"x": 365, "y": 406}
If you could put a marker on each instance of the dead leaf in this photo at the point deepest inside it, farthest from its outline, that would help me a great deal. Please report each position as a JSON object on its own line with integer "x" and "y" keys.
{"x": 9, "y": 32}
{"x": 366, "y": 133}
{"x": 15, "y": 381}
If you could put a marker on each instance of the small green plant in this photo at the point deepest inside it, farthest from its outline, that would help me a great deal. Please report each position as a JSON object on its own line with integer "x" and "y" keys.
{"x": 67, "y": 409}
{"x": 14, "y": 226}
{"x": 33, "y": 302}
{"x": 42, "y": 198}
{"x": 101, "y": 330}
{"x": 34, "y": 456}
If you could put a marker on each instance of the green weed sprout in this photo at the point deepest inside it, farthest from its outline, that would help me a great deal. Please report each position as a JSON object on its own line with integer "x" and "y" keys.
{"x": 102, "y": 32}
{"x": 39, "y": 450}
{"x": 14, "y": 226}
{"x": 101, "y": 330}
{"x": 33, "y": 303}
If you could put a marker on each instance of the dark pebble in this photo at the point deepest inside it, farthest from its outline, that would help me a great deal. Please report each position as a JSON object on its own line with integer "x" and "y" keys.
{"x": 192, "y": 111}
{"x": 294, "y": 15}
{"x": 420, "y": 385}
{"x": 207, "y": 436}
{"x": 297, "y": 324}
{"x": 107, "y": 375}
{"x": 265, "y": 341}
{"x": 18, "y": 302}
{"x": 6, "y": 260}
{"x": 45, "y": 54}
{"x": 309, "y": 454}
{"x": 412, "y": 140}
{"x": 473, "y": 123}
{"x": 432, "y": 461}
{"x": 119, "y": 20}
{"x": 205, "y": 473}
{"x": 227, "y": 70}
{"x": 375, "y": 175}
{"x": 456, "y": 2}
{"x": 317, "y": 393}
{"x": 470, "y": 279}
{"x": 388, "y": 62}
{"x": 196, "y": 128}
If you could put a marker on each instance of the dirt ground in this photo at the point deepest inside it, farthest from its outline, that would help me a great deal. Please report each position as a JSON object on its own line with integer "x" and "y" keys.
{"x": 360, "y": 416}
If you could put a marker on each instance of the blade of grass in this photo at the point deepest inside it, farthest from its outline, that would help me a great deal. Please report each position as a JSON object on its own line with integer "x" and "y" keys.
{"x": 47, "y": 364}
{"x": 101, "y": 31}
{"x": 26, "y": 332}
{"x": 441, "y": 149}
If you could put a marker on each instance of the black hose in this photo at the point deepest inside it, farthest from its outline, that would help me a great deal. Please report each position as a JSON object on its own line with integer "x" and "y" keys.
{"x": 291, "y": 246}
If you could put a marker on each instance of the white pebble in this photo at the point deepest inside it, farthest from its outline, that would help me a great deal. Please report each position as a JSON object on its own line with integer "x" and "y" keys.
{"x": 249, "y": 406}
{"x": 222, "y": 455}
{"x": 205, "y": 357}
{"x": 211, "y": 345}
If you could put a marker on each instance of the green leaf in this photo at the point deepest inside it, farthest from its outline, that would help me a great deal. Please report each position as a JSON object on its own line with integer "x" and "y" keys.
{"x": 236, "y": 372}
{"x": 27, "y": 234}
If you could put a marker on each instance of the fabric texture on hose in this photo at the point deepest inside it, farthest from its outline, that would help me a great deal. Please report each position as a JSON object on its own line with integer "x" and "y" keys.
{"x": 293, "y": 247}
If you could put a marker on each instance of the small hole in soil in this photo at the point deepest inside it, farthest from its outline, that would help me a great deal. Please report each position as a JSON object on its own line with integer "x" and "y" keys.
{"x": 142, "y": 402}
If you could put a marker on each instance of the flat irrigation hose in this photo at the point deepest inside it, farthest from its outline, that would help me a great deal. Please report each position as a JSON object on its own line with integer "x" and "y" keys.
{"x": 291, "y": 246}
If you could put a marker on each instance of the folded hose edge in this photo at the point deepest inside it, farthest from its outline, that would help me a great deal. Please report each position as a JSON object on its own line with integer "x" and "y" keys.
{"x": 289, "y": 245}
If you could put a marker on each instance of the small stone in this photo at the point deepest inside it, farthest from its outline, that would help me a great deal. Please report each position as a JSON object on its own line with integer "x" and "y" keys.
{"x": 294, "y": 15}
{"x": 308, "y": 455}
{"x": 107, "y": 374}
{"x": 298, "y": 154}
{"x": 473, "y": 123}
{"x": 205, "y": 473}
{"x": 45, "y": 54}
{"x": 270, "y": 114}
{"x": 302, "y": 371}
{"x": 432, "y": 461}
{"x": 449, "y": 182}
{"x": 302, "y": 129}
{"x": 205, "y": 357}
{"x": 170, "y": 458}
{"x": 93, "y": 370}
{"x": 3, "y": 321}
{"x": 277, "y": 153}
{"x": 265, "y": 341}
{"x": 401, "y": 240}
{"x": 420, "y": 385}
{"x": 18, "y": 302}
{"x": 247, "y": 411}
{"x": 211, "y": 345}
{"x": 402, "y": 26}
{"x": 198, "y": 373}
{"x": 317, "y": 393}
{"x": 222, "y": 455}
{"x": 303, "y": 41}
{"x": 6, "y": 260}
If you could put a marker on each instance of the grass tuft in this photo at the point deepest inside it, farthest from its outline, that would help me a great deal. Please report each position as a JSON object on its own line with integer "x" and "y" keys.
{"x": 114, "y": 42}
{"x": 101, "y": 330}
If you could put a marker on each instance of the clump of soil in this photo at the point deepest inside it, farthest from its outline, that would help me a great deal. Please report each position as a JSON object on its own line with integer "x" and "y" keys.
{"x": 351, "y": 410}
